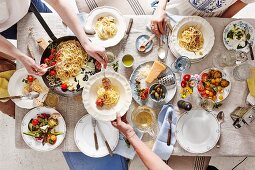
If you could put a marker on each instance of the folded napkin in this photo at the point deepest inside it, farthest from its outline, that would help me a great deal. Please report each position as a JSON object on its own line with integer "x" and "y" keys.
{"x": 4, "y": 79}
{"x": 124, "y": 149}
{"x": 160, "y": 146}
{"x": 251, "y": 82}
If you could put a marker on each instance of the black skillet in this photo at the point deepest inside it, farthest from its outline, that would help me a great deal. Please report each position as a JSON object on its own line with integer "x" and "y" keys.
{"x": 47, "y": 52}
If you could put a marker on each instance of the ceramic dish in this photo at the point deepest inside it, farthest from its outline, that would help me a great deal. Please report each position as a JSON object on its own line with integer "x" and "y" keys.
{"x": 98, "y": 12}
{"x": 141, "y": 40}
{"x": 170, "y": 89}
{"x": 89, "y": 96}
{"x": 30, "y": 141}
{"x": 236, "y": 34}
{"x": 16, "y": 86}
{"x": 226, "y": 90}
{"x": 84, "y": 140}
{"x": 197, "y": 131}
{"x": 205, "y": 28}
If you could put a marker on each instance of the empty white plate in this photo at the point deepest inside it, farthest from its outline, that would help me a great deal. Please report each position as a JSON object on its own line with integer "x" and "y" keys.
{"x": 197, "y": 131}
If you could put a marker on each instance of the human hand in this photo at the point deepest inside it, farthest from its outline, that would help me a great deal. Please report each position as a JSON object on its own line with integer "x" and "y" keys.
{"x": 123, "y": 127}
{"x": 96, "y": 52}
{"x": 32, "y": 67}
{"x": 158, "y": 22}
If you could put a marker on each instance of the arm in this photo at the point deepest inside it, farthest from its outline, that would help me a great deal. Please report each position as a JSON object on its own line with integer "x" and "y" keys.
{"x": 149, "y": 158}
{"x": 233, "y": 9}
{"x": 158, "y": 20}
{"x": 10, "y": 50}
{"x": 71, "y": 20}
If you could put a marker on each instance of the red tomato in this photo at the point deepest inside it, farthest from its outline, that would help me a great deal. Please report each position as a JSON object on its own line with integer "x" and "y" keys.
{"x": 53, "y": 73}
{"x": 35, "y": 122}
{"x": 200, "y": 87}
{"x": 30, "y": 78}
{"x": 100, "y": 102}
{"x": 46, "y": 60}
{"x": 144, "y": 94}
{"x": 64, "y": 86}
{"x": 186, "y": 77}
{"x": 183, "y": 84}
{"x": 204, "y": 77}
{"x": 53, "y": 63}
{"x": 98, "y": 65}
{"x": 51, "y": 57}
{"x": 52, "y": 50}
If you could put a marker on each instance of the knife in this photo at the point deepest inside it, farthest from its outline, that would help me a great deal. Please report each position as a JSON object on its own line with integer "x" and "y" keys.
{"x": 169, "y": 130}
{"x": 105, "y": 141}
{"x": 127, "y": 33}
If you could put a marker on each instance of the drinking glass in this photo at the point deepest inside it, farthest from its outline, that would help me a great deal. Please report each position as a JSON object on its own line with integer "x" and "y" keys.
{"x": 51, "y": 100}
{"x": 181, "y": 64}
{"x": 207, "y": 104}
{"x": 227, "y": 59}
{"x": 242, "y": 72}
{"x": 144, "y": 119}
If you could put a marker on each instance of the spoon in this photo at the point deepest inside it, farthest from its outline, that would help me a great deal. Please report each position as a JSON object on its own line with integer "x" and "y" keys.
{"x": 220, "y": 118}
{"x": 162, "y": 50}
{"x": 89, "y": 30}
{"x": 145, "y": 43}
{"x": 29, "y": 96}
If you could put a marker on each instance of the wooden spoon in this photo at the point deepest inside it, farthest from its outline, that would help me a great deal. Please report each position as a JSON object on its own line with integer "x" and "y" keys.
{"x": 144, "y": 44}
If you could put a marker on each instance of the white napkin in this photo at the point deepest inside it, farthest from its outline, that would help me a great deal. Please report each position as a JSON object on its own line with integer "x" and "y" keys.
{"x": 160, "y": 146}
{"x": 4, "y": 12}
{"x": 123, "y": 149}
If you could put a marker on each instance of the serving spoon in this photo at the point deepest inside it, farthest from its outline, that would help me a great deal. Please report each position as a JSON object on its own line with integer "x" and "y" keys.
{"x": 29, "y": 96}
{"x": 220, "y": 118}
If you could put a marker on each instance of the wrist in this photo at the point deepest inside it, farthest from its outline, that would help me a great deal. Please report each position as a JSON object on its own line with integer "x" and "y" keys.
{"x": 130, "y": 133}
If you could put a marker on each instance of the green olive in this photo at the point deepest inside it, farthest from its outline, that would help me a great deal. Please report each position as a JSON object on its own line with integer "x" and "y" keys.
{"x": 153, "y": 91}
{"x": 158, "y": 90}
{"x": 156, "y": 95}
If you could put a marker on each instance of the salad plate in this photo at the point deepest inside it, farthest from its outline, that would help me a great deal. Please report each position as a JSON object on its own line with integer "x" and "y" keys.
{"x": 106, "y": 11}
{"x": 197, "y": 131}
{"x": 90, "y": 96}
{"x": 43, "y": 129}
{"x": 171, "y": 90}
{"x": 17, "y": 86}
{"x": 84, "y": 140}
{"x": 237, "y": 34}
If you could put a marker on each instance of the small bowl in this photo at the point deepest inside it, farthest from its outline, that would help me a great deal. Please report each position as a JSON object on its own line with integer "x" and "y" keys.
{"x": 151, "y": 93}
{"x": 140, "y": 40}
{"x": 128, "y": 58}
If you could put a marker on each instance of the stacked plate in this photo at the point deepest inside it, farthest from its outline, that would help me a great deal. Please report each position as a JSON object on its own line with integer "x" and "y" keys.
{"x": 208, "y": 35}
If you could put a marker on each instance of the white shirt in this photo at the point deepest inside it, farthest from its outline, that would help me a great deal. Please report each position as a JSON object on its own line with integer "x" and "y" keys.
{"x": 11, "y": 11}
{"x": 200, "y": 7}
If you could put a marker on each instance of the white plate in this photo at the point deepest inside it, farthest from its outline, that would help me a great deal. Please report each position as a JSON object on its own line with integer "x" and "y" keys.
{"x": 232, "y": 45}
{"x": 206, "y": 29}
{"x": 15, "y": 88}
{"x": 170, "y": 90}
{"x": 197, "y": 131}
{"x": 98, "y": 12}
{"x": 84, "y": 137}
{"x": 89, "y": 96}
{"x": 30, "y": 141}
{"x": 224, "y": 76}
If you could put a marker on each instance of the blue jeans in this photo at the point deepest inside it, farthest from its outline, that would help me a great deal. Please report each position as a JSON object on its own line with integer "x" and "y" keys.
{"x": 79, "y": 161}
{"x": 11, "y": 33}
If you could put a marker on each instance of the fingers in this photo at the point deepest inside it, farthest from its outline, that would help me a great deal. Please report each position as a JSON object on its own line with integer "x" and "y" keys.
{"x": 161, "y": 27}
{"x": 114, "y": 124}
{"x": 118, "y": 119}
{"x": 155, "y": 29}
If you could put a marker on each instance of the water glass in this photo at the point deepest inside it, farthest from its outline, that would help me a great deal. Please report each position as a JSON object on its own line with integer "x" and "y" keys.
{"x": 242, "y": 72}
{"x": 181, "y": 64}
{"x": 207, "y": 104}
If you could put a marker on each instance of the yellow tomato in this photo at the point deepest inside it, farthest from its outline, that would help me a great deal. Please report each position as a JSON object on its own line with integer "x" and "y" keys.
{"x": 207, "y": 91}
{"x": 221, "y": 97}
{"x": 213, "y": 81}
{"x": 211, "y": 94}
{"x": 53, "y": 137}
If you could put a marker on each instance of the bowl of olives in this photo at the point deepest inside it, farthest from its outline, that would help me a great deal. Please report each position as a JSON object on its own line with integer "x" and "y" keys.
{"x": 157, "y": 92}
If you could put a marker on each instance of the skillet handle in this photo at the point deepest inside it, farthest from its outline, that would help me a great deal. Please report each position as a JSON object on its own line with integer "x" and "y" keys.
{"x": 42, "y": 21}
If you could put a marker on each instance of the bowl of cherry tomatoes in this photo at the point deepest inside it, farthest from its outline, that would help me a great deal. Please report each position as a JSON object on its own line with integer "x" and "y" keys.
{"x": 214, "y": 84}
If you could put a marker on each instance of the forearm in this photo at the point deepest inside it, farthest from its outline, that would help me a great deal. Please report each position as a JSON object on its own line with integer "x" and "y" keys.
{"x": 162, "y": 4}
{"x": 10, "y": 51}
{"x": 149, "y": 158}
{"x": 70, "y": 19}
{"x": 233, "y": 9}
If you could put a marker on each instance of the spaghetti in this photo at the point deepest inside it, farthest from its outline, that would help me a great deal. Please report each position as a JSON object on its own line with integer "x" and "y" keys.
{"x": 106, "y": 27}
{"x": 191, "y": 39}
{"x": 110, "y": 97}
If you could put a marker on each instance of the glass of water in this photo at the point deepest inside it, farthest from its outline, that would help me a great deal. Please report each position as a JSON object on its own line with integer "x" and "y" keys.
{"x": 181, "y": 64}
{"x": 242, "y": 71}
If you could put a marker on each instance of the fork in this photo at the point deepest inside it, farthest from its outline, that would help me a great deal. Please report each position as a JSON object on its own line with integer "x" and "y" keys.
{"x": 93, "y": 120}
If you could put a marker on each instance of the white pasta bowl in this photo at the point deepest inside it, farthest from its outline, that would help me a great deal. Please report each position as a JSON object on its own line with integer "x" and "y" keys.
{"x": 95, "y": 14}
{"x": 203, "y": 26}
{"x": 89, "y": 96}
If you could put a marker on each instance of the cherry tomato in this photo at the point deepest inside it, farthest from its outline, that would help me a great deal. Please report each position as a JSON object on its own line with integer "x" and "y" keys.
{"x": 100, "y": 102}
{"x": 53, "y": 73}
{"x": 183, "y": 84}
{"x": 64, "y": 86}
{"x": 46, "y": 60}
{"x": 144, "y": 94}
{"x": 186, "y": 77}
{"x": 98, "y": 65}
{"x": 52, "y": 50}
{"x": 200, "y": 87}
{"x": 204, "y": 77}
{"x": 30, "y": 78}
{"x": 35, "y": 122}
{"x": 51, "y": 57}
{"x": 53, "y": 63}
